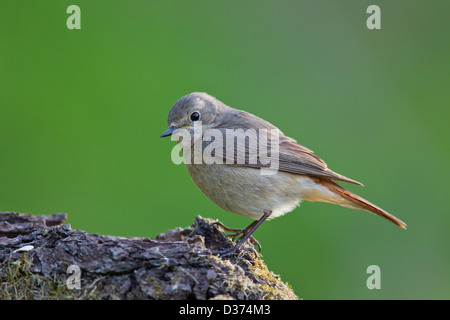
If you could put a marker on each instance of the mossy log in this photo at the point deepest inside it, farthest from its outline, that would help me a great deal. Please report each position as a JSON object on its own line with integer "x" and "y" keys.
{"x": 36, "y": 252}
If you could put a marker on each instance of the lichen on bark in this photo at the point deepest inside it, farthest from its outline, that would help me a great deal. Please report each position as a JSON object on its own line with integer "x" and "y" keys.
{"x": 35, "y": 252}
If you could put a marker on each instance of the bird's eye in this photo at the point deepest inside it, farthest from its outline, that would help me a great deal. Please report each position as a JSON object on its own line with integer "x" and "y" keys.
{"x": 195, "y": 116}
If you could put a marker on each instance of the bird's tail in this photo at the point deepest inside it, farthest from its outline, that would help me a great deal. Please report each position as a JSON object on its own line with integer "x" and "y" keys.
{"x": 356, "y": 202}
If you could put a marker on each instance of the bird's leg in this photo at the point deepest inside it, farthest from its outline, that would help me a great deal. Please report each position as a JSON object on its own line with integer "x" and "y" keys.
{"x": 238, "y": 232}
{"x": 246, "y": 234}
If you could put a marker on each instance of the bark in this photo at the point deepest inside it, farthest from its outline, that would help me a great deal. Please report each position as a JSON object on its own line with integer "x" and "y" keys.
{"x": 36, "y": 252}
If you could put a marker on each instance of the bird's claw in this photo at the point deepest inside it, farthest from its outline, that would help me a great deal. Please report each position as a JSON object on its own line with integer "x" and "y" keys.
{"x": 238, "y": 233}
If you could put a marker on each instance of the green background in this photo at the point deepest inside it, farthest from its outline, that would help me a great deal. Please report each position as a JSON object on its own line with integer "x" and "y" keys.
{"x": 81, "y": 112}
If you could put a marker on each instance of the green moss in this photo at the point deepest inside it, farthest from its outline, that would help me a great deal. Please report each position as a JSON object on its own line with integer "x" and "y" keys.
{"x": 17, "y": 282}
{"x": 273, "y": 286}
{"x": 153, "y": 288}
{"x": 267, "y": 286}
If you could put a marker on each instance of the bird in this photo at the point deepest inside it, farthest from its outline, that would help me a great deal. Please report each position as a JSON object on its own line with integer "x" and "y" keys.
{"x": 238, "y": 185}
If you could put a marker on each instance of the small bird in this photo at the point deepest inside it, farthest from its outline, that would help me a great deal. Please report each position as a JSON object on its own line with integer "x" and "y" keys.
{"x": 239, "y": 186}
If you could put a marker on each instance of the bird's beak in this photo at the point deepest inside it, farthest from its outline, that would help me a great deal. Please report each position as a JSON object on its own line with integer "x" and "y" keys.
{"x": 168, "y": 132}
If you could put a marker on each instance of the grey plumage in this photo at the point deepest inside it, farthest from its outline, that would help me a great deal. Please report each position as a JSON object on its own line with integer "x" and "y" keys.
{"x": 239, "y": 187}
{"x": 293, "y": 158}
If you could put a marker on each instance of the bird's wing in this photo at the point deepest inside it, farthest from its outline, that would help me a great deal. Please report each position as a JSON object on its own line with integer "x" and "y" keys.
{"x": 292, "y": 157}
{"x": 295, "y": 158}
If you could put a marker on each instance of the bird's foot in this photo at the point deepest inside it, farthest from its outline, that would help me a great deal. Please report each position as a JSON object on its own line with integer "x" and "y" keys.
{"x": 230, "y": 251}
{"x": 238, "y": 233}
{"x": 243, "y": 235}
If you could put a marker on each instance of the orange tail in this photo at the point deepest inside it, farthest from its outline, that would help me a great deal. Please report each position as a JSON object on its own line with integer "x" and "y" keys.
{"x": 359, "y": 202}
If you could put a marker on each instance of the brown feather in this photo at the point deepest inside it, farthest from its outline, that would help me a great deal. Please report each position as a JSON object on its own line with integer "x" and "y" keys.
{"x": 358, "y": 201}
{"x": 293, "y": 157}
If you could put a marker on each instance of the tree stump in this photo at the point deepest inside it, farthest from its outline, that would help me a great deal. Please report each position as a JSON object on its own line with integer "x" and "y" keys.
{"x": 42, "y": 258}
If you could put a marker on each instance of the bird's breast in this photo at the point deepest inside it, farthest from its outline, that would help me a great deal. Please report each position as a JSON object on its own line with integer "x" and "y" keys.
{"x": 243, "y": 190}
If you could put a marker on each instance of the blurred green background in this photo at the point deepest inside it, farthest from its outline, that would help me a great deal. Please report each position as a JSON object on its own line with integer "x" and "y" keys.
{"x": 81, "y": 112}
